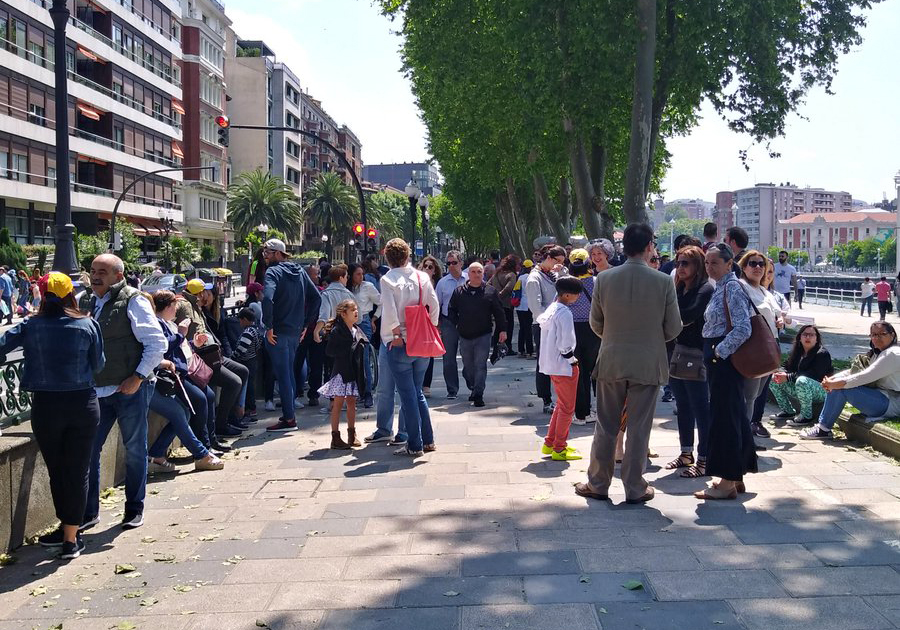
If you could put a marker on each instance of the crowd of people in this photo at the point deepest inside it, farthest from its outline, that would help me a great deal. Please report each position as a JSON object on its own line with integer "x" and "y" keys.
{"x": 606, "y": 329}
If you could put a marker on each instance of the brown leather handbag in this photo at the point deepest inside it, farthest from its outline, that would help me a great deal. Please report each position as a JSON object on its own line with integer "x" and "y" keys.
{"x": 760, "y": 355}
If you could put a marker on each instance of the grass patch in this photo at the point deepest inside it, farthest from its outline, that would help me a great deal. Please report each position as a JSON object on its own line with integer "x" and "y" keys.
{"x": 894, "y": 424}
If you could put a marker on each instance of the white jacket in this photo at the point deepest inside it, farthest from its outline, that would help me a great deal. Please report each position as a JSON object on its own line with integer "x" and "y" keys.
{"x": 557, "y": 339}
{"x": 399, "y": 289}
{"x": 367, "y": 298}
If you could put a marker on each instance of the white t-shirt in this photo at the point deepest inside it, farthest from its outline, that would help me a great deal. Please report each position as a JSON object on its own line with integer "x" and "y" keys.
{"x": 765, "y": 303}
{"x": 783, "y": 274}
{"x": 867, "y": 288}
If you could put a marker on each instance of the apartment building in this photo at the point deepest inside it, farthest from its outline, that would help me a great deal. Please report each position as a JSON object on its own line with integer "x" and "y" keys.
{"x": 124, "y": 115}
{"x": 202, "y": 196}
{"x": 722, "y": 213}
{"x": 398, "y": 175}
{"x": 818, "y": 233}
{"x": 760, "y": 208}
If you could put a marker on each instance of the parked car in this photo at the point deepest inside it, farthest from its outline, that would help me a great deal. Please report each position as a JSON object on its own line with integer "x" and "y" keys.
{"x": 168, "y": 281}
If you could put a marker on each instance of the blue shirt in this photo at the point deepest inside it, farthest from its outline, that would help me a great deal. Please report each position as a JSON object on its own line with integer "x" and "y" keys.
{"x": 716, "y": 324}
{"x": 6, "y": 285}
{"x": 445, "y": 288}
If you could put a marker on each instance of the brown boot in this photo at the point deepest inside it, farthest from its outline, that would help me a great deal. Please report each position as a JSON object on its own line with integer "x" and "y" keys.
{"x": 351, "y": 438}
{"x": 337, "y": 442}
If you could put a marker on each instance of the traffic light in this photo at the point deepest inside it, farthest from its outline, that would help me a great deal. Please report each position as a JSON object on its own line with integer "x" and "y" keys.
{"x": 358, "y": 229}
{"x": 222, "y": 122}
{"x": 371, "y": 235}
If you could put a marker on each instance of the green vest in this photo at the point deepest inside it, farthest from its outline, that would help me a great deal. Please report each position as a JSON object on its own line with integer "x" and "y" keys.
{"x": 123, "y": 351}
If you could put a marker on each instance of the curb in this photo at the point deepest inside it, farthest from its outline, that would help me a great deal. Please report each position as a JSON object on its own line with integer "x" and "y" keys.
{"x": 878, "y": 436}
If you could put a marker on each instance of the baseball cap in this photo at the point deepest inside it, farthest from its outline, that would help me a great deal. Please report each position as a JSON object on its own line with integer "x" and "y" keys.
{"x": 579, "y": 256}
{"x": 55, "y": 283}
{"x": 528, "y": 263}
{"x": 254, "y": 287}
{"x": 196, "y": 286}
{"x": 275, "y": 245}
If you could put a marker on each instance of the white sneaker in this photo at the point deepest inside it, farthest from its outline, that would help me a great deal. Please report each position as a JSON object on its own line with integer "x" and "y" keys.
{"x": 270, "y": 405}
{"x": 326, "y": 409}
{"x": 579, "y": 421}
{"x": 298, "y": 403}
{"x": 591, "y": 418}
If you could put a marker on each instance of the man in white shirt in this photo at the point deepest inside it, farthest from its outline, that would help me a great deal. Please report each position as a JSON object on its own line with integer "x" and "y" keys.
{"x": 785, "y": 276}
{"x": 134, "y": 345}
{"x": 444, "y": 289}
{"x": 868, "y": 294}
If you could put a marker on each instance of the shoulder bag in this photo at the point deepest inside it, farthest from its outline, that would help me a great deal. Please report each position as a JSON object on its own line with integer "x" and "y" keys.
{"x": 422, "y": 337}
{"x": 760, "y": 355}
{"x": 211, "y": 354}
{"x": 687, "y": 363}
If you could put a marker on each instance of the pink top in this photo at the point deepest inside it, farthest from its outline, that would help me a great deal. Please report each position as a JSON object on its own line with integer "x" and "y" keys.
{"x": 883, "y": 289}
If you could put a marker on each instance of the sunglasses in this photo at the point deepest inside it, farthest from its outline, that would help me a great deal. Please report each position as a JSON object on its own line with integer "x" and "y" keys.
{"x": 428, "y": 267}
{"x": 684, "y": 263}
{"x": 452, "y": 262}
{"x": 756, "y": 263}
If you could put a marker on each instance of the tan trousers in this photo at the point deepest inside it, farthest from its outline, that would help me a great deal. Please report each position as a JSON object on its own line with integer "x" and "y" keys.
{"x": 611, "y": 397}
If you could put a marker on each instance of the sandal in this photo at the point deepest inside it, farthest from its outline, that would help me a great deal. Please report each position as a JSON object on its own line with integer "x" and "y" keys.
{"x": 697, "y": 470}
{"x": 682, "y": 461}
{"x": 713, "y": 493}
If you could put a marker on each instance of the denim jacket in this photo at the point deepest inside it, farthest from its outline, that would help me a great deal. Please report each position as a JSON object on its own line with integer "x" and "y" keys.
{"x": 61, "y": 353}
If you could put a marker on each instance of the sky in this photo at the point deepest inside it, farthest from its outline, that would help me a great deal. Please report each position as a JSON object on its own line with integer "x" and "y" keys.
{"x": 347, "y": 55}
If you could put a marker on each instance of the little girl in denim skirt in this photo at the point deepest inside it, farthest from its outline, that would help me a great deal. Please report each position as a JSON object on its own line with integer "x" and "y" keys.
{"x": 346, "y": 346}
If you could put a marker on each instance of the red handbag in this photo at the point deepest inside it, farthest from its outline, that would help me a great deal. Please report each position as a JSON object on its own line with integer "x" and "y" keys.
{"x": 422, "y": 337}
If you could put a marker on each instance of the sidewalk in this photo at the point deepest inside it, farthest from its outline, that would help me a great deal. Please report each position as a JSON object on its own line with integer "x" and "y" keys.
{"x": 482, "y": 534}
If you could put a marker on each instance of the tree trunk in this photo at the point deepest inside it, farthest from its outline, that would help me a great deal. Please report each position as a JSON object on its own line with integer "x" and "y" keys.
{"x": 557, "y": 224}
{"x": 635, "y": 201}
{"x": 584, "y": 188}
{"x": 599, "y": 163}
{"x": 541, "y": 215}
{"x": 502, "y": 222}
{"x": 513, "y": 219}
{"x": 667, "y": 68}
{"x": 568, "y": 209}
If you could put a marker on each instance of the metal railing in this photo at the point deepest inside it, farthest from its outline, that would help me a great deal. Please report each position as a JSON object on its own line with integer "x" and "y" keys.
{"x": 15, "y": 403}
{"x": 842, "y": 298}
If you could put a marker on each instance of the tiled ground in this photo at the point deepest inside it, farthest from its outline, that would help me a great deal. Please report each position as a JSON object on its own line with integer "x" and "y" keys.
{"x": 484, "y": 533}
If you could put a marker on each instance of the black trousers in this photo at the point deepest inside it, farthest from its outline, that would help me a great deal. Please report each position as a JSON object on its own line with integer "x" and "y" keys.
{"x": 526, "y": 340}
{"x": 508, "y": 329}
{"x": 541, "y": 380}
{"x": 587, "y": 345}
{"x": 64, "y": 425}
{"x": 883, "y": 308}
{"x": 230, "y": 378}
{"x": 731, "y": 450}
{"x": 314, "y": 355}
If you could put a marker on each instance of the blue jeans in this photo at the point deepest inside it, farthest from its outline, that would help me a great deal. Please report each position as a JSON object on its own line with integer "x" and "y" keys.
{"x": 692, "y": 400}
{"x": 178, "y": 416}
{"x": 384, "y": 411}
{"x": 131, "y": 414}
{"x": 409, "y": 374}
{"x": 282, "y": 355}
{"x": 867, "y": 302}
{"x": 203, "y": 422}
{"x": 450, "y": 337}
{"x": 475, "y": 353}
{"x": 871, "y": 402}
{"x": 248, "y": 395}
{"x": 366, "y": 326}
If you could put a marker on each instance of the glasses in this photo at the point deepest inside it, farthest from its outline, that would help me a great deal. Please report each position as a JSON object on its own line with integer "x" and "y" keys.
{"x": 684, "y": 263}
{"x": 654, "y": 259}
{"x": 428, "y": 267}
{"x": 879, "y": 334}
{"x": 756, "y": 263}
{"x": 452, "y": 262}
{"x": 808, "y": 334}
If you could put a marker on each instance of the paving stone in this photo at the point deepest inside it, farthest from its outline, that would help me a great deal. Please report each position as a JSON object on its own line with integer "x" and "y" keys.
{"x": 336, "y": 594}
{"x": 281, "y": 570}
{"x": 405, "y": 566}
{"x": 652, "y": 615}
{"x": 520, "y": 563}
{"x": 250, "y": 549}
{"x": 281, "y": 620}
{"x": 383, "y": 481}
{"x": 587, "y": 588}
{"x": 785, "y": 556}
{"x": 369, "y": 545}
{"x": 618, "y": 559}
{"x": 463, "y": 542}
{"x": 529, "y": 617}
{"x": 469, "y": 591}
{"x": 812, "y": 613}
{"x": 417, "y": 494}
{"x": 558, "y": 539}
{"x": 302, "y": 528}
{"x": 224, "y": 598}
{"x": 849, "y": 481}
{"x": 436, "y": 523}
{"x": 160, "y": 574}
{"x": 396, "y": 619}
{"x": 811, "y": 582}
{"x": 864, "y": 529}
{"x": 856, "y": 553}
{"x": 773, "y": 533}
{"x": 696, "y": 585}
{"x": 887, "y": 605}
{"x": 371, "y": 508}
{"x": 680, "y": 535}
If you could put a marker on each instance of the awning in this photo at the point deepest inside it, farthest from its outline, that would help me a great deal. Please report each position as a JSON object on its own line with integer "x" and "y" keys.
{"x": 151, "y": 231}
{"x": 176, "y": 150}
{"x": 87, "y": 158}
{"x": 138, "y": 230}
{"x": 178, "y": 107}
{"x": 89, "y": 112}
{"x": 87, "y": 53}
{"x": 96, "y": 7}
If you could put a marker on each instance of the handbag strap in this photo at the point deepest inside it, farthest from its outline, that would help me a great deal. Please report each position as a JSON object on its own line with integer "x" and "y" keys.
{"x": 419, "y": 278}
{"x": 727, "y": 313}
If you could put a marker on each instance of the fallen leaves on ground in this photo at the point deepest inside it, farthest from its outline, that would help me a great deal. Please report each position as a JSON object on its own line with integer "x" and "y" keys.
{"x": 451, "y": 594}
{"x": 38, "y": 590}
{"x": 133, "y": 594}
{"x": 633, "y": 585}
{"x": 149, "y": 601}
{"x": 124, "y": 568}
{"x": 6, "y": 559}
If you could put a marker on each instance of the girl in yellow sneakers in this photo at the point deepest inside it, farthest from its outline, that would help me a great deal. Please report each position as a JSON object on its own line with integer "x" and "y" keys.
{"x": 557, "y": 360}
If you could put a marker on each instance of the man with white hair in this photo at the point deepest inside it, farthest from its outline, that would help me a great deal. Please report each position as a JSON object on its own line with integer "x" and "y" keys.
{"x": 471, "y": 310}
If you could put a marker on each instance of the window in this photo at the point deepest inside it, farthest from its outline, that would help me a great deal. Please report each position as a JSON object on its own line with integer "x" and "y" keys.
{"x": 19, "y": 167}
{"x": 293, "y": 149}
{"x": 51, "y": 176}
{"x": 4, "y": 163}
{"x": 17, "y": 35}
{"x": 208, "y": 129}
{"x": 17, "y": 224}
{"x": 293, "y": 176}
{"x": 119, "y": 137}
{"x": 36, "y": 115}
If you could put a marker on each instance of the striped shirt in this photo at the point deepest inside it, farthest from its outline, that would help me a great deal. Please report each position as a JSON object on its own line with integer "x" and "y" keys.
{"x": 248, "y": 345}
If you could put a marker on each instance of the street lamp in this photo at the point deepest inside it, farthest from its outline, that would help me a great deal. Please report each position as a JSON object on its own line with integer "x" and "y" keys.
{"x": 325, "y": 244}
{"x": 412, "y": 191}
{"x": 672, "y": 237}
{"x": 423, "y": 204}
{"x": 64, "y": 256}
{"x": 167, "y": 223}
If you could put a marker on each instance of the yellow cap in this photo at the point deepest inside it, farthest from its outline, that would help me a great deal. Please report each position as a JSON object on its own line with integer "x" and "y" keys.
{"x": 59, "y": 284}
{"x": 528, "y": 263}
{"x": 579, "y": 256}
{"x": 195, "y": 286}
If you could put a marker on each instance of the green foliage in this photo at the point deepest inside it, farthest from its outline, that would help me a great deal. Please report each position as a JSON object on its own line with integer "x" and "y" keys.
{"x": 664, "y": 235}
{"x": 309, "y": 254}
{"x": 89, "y": 246}
{"x": 41, "y": 252}
{"x": 177, "y": 251}
{"x": 868, "y": 255}
{"x": 675, "y": 211}
{"x": 796, "y": 257}
{"x": 207, "y": 253}
{"x": 11, "y": 253}
{"x": 258, "y": 197}
{"x": 248, "y": 52}
{"x": 333, "y": 205}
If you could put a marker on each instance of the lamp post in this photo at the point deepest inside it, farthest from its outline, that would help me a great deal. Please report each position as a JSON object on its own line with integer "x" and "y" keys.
{"x": 423, "y": 204}
{"x": 64, "y": 256}
{"x": 672, "y": 237}
{"x": 412, "y": 191}
{"x": 325, "y": 244}
{"x": 167, "y": 223}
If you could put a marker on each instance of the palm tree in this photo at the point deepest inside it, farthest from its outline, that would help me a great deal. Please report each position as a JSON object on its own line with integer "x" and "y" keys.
{"x": 331, "y": 203}
{"x": 177, "y": 251}
{"x": 259, "y": 197}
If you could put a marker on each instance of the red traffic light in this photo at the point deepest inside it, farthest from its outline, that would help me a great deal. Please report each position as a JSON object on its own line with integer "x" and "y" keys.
{"x": 358, "y": 228}
{"x": 372, "y": 233}
{"x": 222, "y": 121}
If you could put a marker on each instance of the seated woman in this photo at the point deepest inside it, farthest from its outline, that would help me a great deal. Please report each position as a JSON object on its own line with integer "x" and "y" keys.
{"x": 171, "y": 407}
{"x": 801, "y": 377}
{"x": 882, "y": 375}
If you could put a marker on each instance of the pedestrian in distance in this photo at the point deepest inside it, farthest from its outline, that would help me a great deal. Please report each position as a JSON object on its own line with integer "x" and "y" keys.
{"x": 475, "y": 310}
{"x": 634, "y": 310}
{"x": 867, "y": 289}
{"x": 883, "y": 293}
{"x": 523, "y": 313}
{"x": 63, "y": 350}
{"x": 602, "y": 252}
{"x": 346, "y": 346}
{"x": 559, "y": 361}
{"x": 444, "y": 289}
{"x": 540, "y": 288}
{"x": 430, "y": 265}
{"x": 800, "y": 378}
{"x": 737, "y": 240}
{"x": 504, "y": 281}
{"x": 785, "y": 276}
{"x": 6, "y": 294}
{"x": 710, "y": 235}
{"x": 368, "y": 299}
